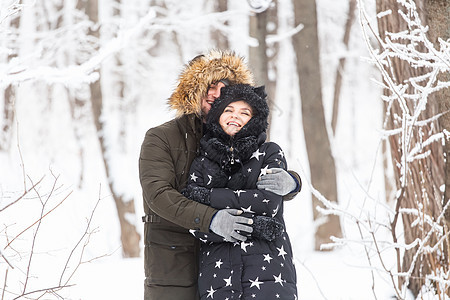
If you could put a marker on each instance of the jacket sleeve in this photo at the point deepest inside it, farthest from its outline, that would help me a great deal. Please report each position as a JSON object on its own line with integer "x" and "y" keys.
{"x": 254, "y": 201}
{"x": 158, "y": 180}
{"x": 297, "y": 190}
{"x": 197, "y": 179}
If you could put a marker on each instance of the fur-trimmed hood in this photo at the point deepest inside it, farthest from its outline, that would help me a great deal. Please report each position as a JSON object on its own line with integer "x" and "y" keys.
{"x": 201, "y": 72}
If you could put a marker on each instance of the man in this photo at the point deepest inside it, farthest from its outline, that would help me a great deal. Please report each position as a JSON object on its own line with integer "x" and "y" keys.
{"x": 171, "y": 252}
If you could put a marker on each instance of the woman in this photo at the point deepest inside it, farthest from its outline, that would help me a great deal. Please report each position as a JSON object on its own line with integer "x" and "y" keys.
{"x": 233, "y": 155}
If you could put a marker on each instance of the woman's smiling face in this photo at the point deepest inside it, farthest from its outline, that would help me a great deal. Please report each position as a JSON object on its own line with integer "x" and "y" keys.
{"x": 235, "y": 116}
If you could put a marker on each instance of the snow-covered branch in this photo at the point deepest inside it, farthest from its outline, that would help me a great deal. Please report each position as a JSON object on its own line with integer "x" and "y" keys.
{"x": 415, "y": 134}
{"x": 40, "y": 65}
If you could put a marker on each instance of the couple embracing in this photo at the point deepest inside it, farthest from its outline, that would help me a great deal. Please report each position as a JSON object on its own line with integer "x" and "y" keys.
{"x": 213, "y": 191}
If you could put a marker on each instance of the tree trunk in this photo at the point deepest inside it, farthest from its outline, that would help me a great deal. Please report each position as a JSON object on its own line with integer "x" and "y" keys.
{"x": 9, "y": 99}
{"x": 424, "y": 176}
{"x": 257, "y": 55}
{"x": 258, "y": 58}
{"x": 129, "y": 236}
{"x": 438, "y": 18}
{"x": 219, "y": 38}
{"x": 323, "y": 171}
{"x": 273, "y": 49}
{"x": 341, "y": 64}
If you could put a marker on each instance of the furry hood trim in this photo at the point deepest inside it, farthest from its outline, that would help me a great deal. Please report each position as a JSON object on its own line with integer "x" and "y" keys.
{"x": 200, "y": 73}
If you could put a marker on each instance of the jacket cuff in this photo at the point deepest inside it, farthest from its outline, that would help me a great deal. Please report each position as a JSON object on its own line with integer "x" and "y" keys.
{"x": 298, "y": 186}
{"x": 203, "y": 219}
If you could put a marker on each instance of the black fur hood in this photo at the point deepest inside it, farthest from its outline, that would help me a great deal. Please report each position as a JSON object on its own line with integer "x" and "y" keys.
{"x": 232, "y": 152}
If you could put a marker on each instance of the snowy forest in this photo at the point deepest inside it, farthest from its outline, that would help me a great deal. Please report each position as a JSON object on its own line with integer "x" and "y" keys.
{"x": 359, "y": 93}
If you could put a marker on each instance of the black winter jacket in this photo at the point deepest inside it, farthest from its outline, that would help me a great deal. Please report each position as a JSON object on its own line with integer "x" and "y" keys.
{"x": 255, "y": 269}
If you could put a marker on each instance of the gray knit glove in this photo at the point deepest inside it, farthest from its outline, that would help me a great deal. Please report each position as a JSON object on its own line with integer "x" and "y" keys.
{"x": 277, "y": 181}
{"x": 266, "y": 228}
{"x": 228, "y": 224}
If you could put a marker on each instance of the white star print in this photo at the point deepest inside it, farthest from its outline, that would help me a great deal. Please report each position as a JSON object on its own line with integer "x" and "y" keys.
{"x": 249, "y": 170}
{"x": 193, "y": 177}
{"x": 228, "y": 281}
{"x": 219, "y": 263}
{"x": 238, "y": 192}
{"x": 248, "y": 210}
{"x": 278, "y": 279}
{"x": 211, "y": 292}
{"x": 267, "y": 258}
{"x": 275, "y": 211}
{"x": 257, "y": 154}
{"x": 255, "y": 195}
{"x": 210, "y": 179}
{"x": 256, "y": 283}
{"x": 264, "y": 171}
{"x": 282, "y": 252}
{"x": 244, "y": 246}
{"x": 266, "y": 201}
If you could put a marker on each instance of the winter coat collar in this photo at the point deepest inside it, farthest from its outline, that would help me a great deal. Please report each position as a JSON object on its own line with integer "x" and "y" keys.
{"x": 230, "y": 152}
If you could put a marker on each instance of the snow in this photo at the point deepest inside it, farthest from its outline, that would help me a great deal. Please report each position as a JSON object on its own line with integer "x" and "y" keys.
{"x": 45, "y": 146}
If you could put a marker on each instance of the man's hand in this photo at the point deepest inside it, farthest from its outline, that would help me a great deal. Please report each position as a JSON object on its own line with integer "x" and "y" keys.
{"x": 277, "y": 181}
{"x": 227, "y": 222}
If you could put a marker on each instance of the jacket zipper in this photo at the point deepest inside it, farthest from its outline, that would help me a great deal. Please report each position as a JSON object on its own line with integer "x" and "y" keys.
{"x": 232, "y": 152}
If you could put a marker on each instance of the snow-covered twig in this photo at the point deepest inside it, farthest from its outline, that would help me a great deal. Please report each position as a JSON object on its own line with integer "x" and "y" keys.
{"x": 20, "y": 70}
{"x": 11, "y": 10}
{"x": 415, "y": 134}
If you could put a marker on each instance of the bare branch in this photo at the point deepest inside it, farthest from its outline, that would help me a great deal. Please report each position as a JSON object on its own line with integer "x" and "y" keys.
{"x": 45, "y": 290}
{"x": 86, "y": 233}
{"x": 4, "y": 257}
{"x": 46, "y": 214}
{"x": 4, "y": 284}
{"x": 23, "y": 195}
